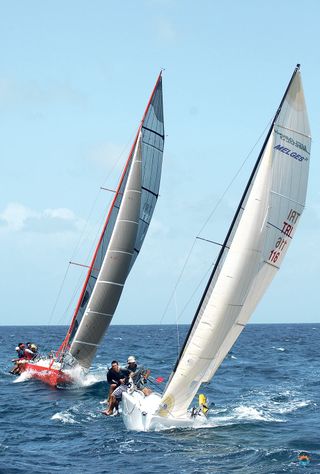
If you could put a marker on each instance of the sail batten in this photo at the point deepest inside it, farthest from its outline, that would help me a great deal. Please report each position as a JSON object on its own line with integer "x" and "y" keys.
{"x": 252, "y": 252}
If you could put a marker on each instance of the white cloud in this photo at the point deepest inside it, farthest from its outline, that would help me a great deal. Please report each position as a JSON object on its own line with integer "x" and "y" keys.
{"x": 14, "y": 93}
{"x": 17, "y": 217}
{"x": 60, "y": 213}
{"x": 14, "y": 216}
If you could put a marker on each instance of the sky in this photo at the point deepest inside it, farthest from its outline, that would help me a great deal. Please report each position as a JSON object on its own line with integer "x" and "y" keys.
{"x": 75, "y": 78}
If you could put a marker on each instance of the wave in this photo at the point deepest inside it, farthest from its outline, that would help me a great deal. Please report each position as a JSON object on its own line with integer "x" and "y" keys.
{"x": 23, "y": 377}
{"x": 64, "y": 417}
{"x": 262, "y": 406}
{"x": 82, "y": 379}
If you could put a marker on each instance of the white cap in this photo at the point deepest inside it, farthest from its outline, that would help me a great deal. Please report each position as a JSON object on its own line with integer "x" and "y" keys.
{"x": 131, "y": 359}
{"x": 17, "y": 348}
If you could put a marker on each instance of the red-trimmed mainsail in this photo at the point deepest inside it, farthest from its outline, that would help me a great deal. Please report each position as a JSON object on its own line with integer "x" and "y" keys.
{"x": 135, "y": 199}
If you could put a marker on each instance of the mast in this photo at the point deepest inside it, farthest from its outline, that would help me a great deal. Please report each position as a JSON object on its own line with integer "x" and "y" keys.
{"x": 236, "y": 215}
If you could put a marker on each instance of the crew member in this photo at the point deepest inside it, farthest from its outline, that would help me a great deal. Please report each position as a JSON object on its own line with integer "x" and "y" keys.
{"x": 20, "y": 349}
{"x": 116, "y": 377}
{"x": 139, "y": 375}
{"x": 30, "y": 351}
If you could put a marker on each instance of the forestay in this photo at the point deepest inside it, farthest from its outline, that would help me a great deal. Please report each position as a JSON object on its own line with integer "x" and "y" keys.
{"x": 123, "y": 234}
{"x": 257, "y": 241}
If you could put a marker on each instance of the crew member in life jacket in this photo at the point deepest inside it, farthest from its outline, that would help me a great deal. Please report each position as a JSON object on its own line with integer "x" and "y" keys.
{"x": 20, "y": 356}
{"x": 24, "y": 353}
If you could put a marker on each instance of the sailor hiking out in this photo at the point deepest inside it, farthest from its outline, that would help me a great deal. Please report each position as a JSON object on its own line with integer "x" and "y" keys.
{"x": 133, "y": 377}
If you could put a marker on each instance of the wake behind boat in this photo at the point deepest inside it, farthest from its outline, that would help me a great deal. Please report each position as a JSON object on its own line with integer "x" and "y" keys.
{"x": 258, "y": 239}
{"x": 120, "y": 242}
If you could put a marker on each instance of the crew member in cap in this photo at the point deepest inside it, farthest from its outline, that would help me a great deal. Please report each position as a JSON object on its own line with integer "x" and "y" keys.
{"x": 138, "y": 374}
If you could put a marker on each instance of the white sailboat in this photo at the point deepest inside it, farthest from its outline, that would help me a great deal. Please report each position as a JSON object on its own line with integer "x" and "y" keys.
{"x": 252, "y": 253}
{"x": 120, "y": 242}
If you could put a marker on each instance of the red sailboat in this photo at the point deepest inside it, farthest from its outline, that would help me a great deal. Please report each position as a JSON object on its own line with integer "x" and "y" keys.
{"x": 119, "y": 244}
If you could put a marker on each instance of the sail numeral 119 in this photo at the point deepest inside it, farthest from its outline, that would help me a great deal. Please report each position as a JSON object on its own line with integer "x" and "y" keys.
{"x": 287, "y": 229}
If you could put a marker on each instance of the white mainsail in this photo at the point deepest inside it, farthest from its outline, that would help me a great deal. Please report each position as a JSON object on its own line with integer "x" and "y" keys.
{"x": 122, "y": 236}
{"x": 253, "y": 251}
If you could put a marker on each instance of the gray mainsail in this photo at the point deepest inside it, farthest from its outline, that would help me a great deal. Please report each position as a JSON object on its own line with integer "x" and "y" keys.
{"x": 122, "y": 237}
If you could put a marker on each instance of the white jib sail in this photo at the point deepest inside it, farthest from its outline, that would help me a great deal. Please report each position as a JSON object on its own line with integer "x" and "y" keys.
{"x": 272, "y": 210}
{"x": 114, "y": 270}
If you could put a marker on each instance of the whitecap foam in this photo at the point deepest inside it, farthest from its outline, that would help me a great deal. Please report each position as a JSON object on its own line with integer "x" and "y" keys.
{"x": 23, "y": 377}
{"x": 244, "y": 414}
{"x": 83, "y": 379}
{"x": 64, "y": 417}
{"x": 248, "y": 413}
{"x": 292, "y": 406}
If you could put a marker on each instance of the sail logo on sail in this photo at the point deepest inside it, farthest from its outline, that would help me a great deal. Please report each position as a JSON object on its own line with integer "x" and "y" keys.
{"x": 293, "y": 142}
{"x": 289, "y": 152}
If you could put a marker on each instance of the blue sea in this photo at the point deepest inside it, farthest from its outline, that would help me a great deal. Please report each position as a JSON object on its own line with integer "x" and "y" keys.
{"x": 264, "y": 408}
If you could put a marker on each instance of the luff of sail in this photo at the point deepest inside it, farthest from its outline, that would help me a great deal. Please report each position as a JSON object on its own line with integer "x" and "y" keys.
{"x": 151, "y": 143}
{"x": 259, "y": 238}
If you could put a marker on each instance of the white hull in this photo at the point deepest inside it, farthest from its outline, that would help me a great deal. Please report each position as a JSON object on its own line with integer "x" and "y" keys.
{"x": 139, "y": 414}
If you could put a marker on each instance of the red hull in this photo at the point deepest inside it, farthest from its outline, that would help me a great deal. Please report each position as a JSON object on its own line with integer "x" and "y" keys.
{"x": 47, "y": 375}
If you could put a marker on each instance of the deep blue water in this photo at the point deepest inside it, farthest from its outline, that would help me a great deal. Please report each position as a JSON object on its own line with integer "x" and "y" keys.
{"x": 266, "y": 408}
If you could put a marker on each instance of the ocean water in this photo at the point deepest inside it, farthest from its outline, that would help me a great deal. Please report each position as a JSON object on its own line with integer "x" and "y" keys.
{"x": 265, "y": 408}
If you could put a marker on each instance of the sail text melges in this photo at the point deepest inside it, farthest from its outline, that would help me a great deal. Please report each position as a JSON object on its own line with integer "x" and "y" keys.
{"x": 292, "y": 141}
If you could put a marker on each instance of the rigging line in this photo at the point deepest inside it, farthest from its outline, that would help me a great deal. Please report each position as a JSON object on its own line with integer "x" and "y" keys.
{"x": 234, "y": 178}
{"x": 71, "y": 301}
{"x": 119, "y": 157}
{"x": 207, "y": 220}
{"x": 178, "y": 281}
{"x": 58, "y": 295}
{"x": 77, "y": 246}
{"x": 195, "y": 291}
{"x": 84, "y": 230}
{"x": 80, "y": 280}
{"x": 177, "y": 326}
